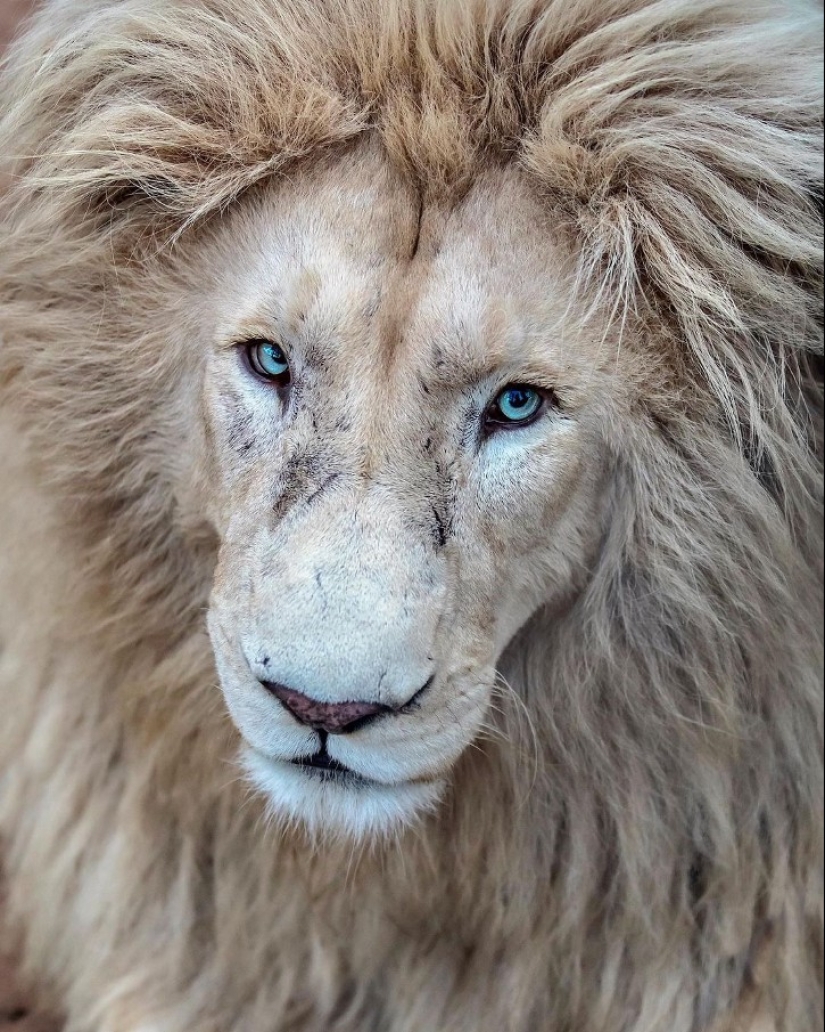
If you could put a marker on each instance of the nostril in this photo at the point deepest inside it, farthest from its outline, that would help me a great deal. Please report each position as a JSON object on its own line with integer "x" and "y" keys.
{"x": 332, "y": 717}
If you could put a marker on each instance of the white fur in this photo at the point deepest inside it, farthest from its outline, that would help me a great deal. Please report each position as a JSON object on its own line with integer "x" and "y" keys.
{"x": 328, "y": 808}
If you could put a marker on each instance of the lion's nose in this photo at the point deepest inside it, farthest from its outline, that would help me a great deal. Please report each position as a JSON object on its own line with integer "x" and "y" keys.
{"x": 337, "y": 718}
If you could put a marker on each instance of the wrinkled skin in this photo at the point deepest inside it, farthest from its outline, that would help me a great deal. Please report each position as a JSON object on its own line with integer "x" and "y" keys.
{"x": 380, "y": 541}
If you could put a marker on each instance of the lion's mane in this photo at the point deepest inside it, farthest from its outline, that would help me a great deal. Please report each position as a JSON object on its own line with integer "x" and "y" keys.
{"x": 640, "y": 848}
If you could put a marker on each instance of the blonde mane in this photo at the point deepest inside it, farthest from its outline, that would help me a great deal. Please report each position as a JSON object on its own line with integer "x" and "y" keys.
{"x": 636, "y": 846}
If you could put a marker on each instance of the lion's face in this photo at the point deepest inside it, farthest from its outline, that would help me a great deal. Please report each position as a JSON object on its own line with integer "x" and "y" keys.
{"x": 403, "y": 446}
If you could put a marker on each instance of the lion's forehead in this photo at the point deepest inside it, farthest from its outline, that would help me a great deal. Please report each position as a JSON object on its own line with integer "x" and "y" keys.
{"x": 384, "y": 296}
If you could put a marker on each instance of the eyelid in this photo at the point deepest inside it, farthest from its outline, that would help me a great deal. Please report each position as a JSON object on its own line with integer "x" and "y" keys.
{"x": 546, "y": 390}
{"x": 252, "y": 335}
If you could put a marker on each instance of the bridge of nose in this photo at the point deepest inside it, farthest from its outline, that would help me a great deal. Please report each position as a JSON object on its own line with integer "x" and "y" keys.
{"x": 349, "y": 608}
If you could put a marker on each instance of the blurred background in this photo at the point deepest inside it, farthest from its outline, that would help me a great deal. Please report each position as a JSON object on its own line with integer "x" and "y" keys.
{"x": 11, "y": 11}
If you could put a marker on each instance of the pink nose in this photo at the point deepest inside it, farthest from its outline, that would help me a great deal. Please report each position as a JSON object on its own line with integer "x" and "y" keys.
{"x": 336, "y": 718}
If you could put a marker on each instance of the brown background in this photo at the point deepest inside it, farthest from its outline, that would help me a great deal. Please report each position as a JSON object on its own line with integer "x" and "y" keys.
{"x": 11, "y": 11}
{"x": 17, "y": 1010}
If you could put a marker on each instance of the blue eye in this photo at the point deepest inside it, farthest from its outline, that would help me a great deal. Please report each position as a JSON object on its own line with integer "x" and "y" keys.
{"x": 268, "y": 361}
{"x": 516, "y": 405}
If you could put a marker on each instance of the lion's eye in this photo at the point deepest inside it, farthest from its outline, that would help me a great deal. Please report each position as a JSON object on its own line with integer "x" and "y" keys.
{"x": 516, "y": 405}
{"x": 268, "y": 361}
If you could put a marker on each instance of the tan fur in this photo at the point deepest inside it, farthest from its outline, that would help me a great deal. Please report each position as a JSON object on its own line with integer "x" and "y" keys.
{"x": 618, "y": 199}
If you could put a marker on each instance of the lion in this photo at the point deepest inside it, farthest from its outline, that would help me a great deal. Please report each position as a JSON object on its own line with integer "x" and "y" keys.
{"x": 411, "y": 582}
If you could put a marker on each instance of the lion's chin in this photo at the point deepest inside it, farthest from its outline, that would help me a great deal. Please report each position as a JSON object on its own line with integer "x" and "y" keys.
{"x": 335, "y": 804}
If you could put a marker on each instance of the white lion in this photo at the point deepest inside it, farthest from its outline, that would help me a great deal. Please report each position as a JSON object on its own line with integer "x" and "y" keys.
{"x": 454, "y": 363}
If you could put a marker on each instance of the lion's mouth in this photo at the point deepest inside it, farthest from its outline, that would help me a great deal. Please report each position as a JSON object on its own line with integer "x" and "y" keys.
{"x": 323, "y": 765}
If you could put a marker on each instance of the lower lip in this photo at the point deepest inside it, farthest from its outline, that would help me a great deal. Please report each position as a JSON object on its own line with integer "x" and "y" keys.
{"x": 339, "y": 774}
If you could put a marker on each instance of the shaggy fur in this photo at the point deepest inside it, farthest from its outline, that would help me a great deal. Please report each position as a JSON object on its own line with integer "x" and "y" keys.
{"x": 637, "y": 844}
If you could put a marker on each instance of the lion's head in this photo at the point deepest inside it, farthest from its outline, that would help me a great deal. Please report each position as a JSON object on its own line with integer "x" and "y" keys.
{"x": 403, "y": 428}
